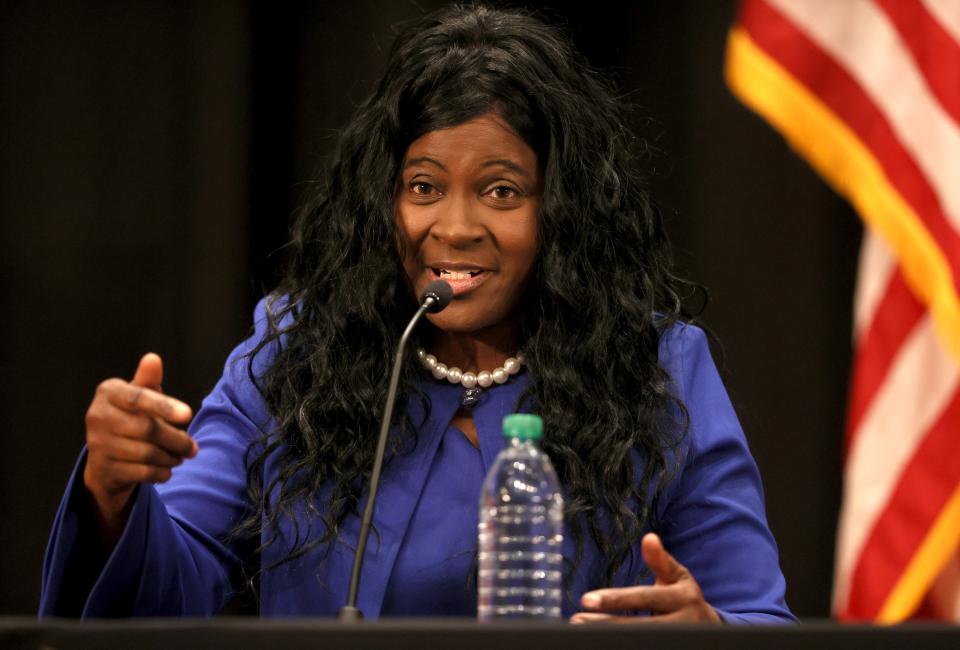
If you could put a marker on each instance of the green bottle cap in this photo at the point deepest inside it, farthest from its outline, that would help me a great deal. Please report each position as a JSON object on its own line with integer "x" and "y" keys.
{"x": 523, "y": 426}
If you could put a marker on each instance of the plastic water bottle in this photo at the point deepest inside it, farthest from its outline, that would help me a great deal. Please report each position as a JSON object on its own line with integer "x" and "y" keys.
{"x": 521, "y": 530}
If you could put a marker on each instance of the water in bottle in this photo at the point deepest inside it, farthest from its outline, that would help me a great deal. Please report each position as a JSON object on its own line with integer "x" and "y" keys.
{"x": 521, "y": 529}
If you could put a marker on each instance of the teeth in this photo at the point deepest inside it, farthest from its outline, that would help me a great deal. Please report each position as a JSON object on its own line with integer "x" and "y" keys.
{"x": 457, "y": 275}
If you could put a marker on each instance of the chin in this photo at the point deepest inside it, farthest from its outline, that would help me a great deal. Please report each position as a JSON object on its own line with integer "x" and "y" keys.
{"x": 461, "y": 321}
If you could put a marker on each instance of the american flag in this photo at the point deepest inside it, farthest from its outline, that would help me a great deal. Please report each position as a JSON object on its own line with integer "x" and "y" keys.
{"x": 868, "y": 92}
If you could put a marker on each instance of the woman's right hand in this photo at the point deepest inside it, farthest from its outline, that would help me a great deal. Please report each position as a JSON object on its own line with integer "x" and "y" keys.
{"x": 132, "y": 438}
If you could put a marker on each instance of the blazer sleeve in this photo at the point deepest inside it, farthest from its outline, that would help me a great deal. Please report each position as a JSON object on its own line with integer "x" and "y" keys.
{"x": 177, "y": 555}
{"x": 712, "y": 517}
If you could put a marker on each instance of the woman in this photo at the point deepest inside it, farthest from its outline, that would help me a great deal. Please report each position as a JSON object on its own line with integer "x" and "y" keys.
{"x": 492, "y": 156}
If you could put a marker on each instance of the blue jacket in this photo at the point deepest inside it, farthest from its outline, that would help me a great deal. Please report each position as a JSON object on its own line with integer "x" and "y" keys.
{"x": 176, "y": 557}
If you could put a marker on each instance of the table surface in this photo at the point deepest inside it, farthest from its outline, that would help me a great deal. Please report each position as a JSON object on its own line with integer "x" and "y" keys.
{"x": 237, "y": 633}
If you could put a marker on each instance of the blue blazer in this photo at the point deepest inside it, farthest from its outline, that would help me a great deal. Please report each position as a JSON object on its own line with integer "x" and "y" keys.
{"x": 176, "y": 556}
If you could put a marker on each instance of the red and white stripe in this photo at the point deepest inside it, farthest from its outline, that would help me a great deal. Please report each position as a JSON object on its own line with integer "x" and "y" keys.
{"x": 904, "y": 384}
{"x": 889, "y": 72}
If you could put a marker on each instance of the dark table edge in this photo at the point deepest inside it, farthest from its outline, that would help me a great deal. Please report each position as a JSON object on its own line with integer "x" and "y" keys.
{"x": 458, "y": 625}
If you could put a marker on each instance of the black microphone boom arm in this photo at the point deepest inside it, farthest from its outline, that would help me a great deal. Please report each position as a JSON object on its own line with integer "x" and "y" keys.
{"x": 433, "y": 298}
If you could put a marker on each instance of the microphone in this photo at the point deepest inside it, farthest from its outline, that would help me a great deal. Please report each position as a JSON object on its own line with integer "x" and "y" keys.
{"x": 434, "y": 298}
{"x": 440, "y": 293}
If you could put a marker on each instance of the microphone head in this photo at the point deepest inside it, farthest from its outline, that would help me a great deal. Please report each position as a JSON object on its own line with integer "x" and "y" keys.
{"x": 441, "y": 292}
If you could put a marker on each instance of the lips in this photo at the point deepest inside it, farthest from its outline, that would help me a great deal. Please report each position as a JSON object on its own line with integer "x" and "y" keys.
{"x": 460, "y": 277}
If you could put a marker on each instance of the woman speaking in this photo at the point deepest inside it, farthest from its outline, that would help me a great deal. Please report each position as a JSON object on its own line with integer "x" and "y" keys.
{"x": 491, "y": 156}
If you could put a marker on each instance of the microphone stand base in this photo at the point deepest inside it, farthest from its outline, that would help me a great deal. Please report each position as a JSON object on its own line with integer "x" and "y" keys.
{"x": 349, "y": 614}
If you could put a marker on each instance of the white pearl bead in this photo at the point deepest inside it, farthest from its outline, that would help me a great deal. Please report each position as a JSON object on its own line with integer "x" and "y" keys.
{"x": 520, "y": 357}
{"x": 468, "y": 379}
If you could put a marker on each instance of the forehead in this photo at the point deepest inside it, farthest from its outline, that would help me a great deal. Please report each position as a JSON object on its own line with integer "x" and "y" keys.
{"x": 482, "y": 138}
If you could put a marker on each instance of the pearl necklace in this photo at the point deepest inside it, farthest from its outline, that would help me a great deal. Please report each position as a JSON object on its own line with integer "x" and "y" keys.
{"x": 473, "y": 383}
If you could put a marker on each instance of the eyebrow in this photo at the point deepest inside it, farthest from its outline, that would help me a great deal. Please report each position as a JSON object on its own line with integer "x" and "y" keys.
{"x": 502, "y": 162}
{"x": 509, "y": 164}
{"x": 424, "y": 159}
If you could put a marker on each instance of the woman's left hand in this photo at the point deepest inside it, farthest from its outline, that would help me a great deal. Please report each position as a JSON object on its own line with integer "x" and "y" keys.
{"x": 675, "y": 597}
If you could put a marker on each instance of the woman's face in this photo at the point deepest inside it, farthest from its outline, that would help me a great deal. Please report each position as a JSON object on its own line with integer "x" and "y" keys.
{"x": 466, "y": 211}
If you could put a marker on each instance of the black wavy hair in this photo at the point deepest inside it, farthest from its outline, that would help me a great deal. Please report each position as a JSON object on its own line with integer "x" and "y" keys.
{"x": 602, "y": 293}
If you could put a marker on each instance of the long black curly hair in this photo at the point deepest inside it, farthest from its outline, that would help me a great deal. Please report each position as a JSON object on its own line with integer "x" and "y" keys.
{"x": 603, "y": 289}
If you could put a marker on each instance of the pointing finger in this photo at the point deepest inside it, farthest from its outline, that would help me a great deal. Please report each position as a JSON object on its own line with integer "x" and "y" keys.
{"x": 138, "y": 399}
{"x": 665, "y": 568}
{"x": 153, "y": 430}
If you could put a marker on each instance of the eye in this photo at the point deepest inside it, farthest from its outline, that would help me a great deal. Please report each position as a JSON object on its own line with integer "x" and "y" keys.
{"x": 503, "y": 192}
{"x": 422, "y": 188}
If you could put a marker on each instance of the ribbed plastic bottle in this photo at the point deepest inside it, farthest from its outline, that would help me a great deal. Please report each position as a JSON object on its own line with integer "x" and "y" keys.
{"x": 521, "y": 530}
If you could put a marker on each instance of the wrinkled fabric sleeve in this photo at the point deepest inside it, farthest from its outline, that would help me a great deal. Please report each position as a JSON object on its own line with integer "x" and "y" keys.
{"x": 176, "y": 555}
{"x": 712, "y": 516}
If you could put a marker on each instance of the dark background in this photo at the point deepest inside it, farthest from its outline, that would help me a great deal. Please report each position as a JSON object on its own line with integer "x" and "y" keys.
{"x": 152, "y": 152}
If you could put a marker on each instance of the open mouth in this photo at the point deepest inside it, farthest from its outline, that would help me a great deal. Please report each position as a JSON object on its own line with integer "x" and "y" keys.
{"x": 445, "y": 274}
{"x": 461, "y": 281}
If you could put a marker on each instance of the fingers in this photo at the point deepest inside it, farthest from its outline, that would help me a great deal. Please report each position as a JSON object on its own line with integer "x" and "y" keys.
{"x": 671, "y": 591}
{"x": 131, "y": 473}
{"x": 655, "y": 598}
{"x": 149, "y": 372}
{"x": 127, "y": 450}
{"x": 109, "y": 421}
{"x": 594, "y": 617}
{"x": 674, "y": 597}
{"x": 132, "y": 438}
{"x": 663, "y": 565}
{"x": 175, "y": 441}
{"x": 138, "y": 399}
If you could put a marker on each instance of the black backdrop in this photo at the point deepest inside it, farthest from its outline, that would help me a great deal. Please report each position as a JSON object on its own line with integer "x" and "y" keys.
{"x": 151, "y": 153}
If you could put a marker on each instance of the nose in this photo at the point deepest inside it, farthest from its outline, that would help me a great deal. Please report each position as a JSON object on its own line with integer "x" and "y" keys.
{"x": 459, "y": 224}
